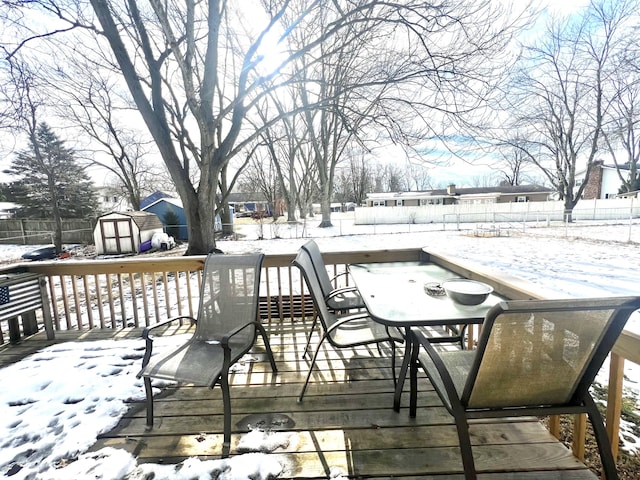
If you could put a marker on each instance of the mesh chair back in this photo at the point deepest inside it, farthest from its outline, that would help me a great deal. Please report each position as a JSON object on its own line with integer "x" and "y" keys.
{"x": 229, "y": 297}
{"x": 543, "y": 353}
{"x": 318, "y": 267}
{"x": 305, "y": 264}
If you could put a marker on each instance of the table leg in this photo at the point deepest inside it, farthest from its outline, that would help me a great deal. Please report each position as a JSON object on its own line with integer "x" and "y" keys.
{"x": 413, "y": 378}
{"x": 408, "y": 346}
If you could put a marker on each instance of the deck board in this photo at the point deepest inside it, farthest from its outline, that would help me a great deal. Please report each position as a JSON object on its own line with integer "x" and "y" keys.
{"x": 344, "y": 426}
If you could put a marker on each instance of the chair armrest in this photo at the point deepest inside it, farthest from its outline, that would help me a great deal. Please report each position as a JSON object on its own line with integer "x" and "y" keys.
{"x": 445, "y": 377}
{"x": 146, "y": 334}
{"x": 347, "y": 318}
{"x": 338, "y": 291}
{"x": 338, "y": 275}
{"x": 224, "y": 341}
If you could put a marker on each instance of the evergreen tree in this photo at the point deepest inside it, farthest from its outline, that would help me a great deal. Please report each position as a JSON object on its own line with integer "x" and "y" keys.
{"x": 51, "y": 184}
{"x": 5, "y": 193}
{"x": 170, "y": 220}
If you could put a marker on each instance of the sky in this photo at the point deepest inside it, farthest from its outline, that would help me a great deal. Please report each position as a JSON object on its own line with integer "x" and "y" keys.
{"x": 70, "y": 393}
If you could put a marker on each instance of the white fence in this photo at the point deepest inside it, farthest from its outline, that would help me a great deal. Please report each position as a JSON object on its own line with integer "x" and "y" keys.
{"x": 610, "y": 209}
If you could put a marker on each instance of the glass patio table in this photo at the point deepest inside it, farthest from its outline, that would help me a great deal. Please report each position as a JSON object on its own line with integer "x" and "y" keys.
{"x": 395, "y": 295}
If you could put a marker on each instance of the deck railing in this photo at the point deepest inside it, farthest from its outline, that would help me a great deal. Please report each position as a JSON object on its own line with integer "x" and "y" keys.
{"x": 136, "y": 292}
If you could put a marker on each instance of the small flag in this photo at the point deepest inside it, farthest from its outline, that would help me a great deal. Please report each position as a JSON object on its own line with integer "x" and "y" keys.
{"x": 4, "y": 295}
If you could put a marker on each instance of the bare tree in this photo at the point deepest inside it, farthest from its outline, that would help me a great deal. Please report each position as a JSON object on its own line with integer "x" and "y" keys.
{"x": 483, "y": 181}
{"x": 622, "y": 128}
{"x": 353, "y": 180}
{"x": 396, "y": 76}
{"x": 260, "y": 176}
{"x": 559, "y": 113}
{"x": 418, "y": 177}
{"x": 361, "y": 181}
{"x": 93, "y": 104}
{"x": 514, "y": 163}
{"x": 285, "y": 142}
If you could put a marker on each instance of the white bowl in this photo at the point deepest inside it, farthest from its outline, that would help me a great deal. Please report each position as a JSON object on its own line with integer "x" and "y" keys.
{"x": 467, "y": 292}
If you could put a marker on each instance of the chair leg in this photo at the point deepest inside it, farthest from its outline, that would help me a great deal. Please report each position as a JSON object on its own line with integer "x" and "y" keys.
{"x": 463, "y": 330}
{"x": 602, "y": 439}
{"x": 226, "y": 403}
{"x": 149, "y": 394}
{"x": 462, "y": 426}
{"x": 413, "y": 377}
{"x": 267, "y": 345}
{"x": 393, "y": 363}
{"x": 313, "y": 327}
{"x": 313, "y": 362}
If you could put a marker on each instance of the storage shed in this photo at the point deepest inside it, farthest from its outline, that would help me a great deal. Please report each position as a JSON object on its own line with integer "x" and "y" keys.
{"x": 123, "y": 232}
{"x": 171, "y": 214}
{"x": 166, "y": 208}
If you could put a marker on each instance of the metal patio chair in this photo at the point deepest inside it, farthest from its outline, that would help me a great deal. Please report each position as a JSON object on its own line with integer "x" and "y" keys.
{"x": 226, "y": 328}
{"x": 339, "y": 299}
{"x": 341, "y": 331}
{"x": 534, "y": 357}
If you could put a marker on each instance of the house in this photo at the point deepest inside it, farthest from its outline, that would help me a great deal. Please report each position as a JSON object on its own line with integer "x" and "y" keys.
{"x": 457, "y": 196}
{"x": 7, "y": 210}
{"x": 110, "y": 200}
{"x": 633, "y": 194}
{"x": 335, "y": 207}
{"x": 244, "y": 204}
{"x": 604, "y": 180}
{"x": 125, "y": 232}
{"x": 170, "y": 211}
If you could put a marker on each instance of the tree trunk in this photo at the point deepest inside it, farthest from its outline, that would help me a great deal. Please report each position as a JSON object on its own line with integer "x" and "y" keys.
{"x": 325, "y": 210}
{"x": 569, "y": 204}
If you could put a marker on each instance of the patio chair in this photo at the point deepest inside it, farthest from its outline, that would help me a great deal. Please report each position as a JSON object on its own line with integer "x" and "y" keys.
{"x": 226, "y": 329}
{"x": 534, "y": 357}
{"x": 341, "y": 331}
{"x": 339, "y": 299}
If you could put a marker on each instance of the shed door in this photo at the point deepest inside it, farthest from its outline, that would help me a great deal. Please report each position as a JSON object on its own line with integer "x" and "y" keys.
{"x": 117, "y": 235}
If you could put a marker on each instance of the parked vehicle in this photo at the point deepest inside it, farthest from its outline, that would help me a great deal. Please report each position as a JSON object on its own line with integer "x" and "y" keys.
{"x": 43, "y": 253}
{"x": 244, "y": 214}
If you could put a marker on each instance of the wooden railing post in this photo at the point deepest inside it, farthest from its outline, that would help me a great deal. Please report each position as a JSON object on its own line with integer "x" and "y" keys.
{"x": 579, "y": 435}
{"x": 614, "y": 401}
{"x": 554, "y": 425}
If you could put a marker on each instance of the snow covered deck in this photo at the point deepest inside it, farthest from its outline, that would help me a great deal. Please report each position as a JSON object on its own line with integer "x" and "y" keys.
{"x": 345, "y": 425}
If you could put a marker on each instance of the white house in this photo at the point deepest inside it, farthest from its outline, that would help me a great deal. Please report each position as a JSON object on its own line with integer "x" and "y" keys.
{"x": 7, "y": 210}
{"x": 604, "y": 181}
{"x": 109, "y": 200}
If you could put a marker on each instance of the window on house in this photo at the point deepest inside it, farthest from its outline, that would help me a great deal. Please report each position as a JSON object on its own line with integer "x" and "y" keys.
{"x": 399, "y": 203}
{"x": 522, "y": 198}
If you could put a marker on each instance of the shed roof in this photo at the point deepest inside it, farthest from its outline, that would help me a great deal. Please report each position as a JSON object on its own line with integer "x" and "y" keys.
{"x": 173, "y": 201}
{"x": 144, "y": 220}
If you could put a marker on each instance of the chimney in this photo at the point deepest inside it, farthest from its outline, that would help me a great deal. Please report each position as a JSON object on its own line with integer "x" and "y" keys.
{"x": 451, "y": 189}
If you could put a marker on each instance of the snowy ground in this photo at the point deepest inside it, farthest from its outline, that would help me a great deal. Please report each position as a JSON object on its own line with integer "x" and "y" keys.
{"x": 68, "y": 394}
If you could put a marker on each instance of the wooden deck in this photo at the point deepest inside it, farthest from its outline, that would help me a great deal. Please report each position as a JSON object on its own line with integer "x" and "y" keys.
{"x": 345, "y": 425}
